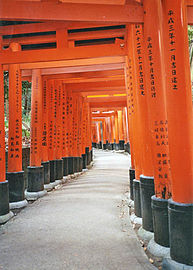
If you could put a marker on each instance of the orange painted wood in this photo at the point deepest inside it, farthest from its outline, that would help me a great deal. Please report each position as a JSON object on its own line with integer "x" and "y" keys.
{"x": 51, "y": 121}
{"x": 58, "y": 118}
{"x": 64, "y": 121}
{"x": 70, "y": 122}
{"x": 131, "y": 13}
{"x": 142, "y": 101}
{"x": 36, "y": 119}
{"x": 44, "y": 55}
{"x": 47, "y": 26}
{"x": 179, "y": 100}
{"x": 75, "y": 126}
{"x": 120, "y": 124}
{"x": 45, "y": 114}
{"x": 76, "y": 63}
{"x": 116, "y": 128}
{"x": 133, "y": 108}
{"x": 15, "y": 117}
{"x": 155, "y": 82}
{"x": 95, "y": 69}
{"x": 2, "y": 128}
{"x": 105, "y": 2}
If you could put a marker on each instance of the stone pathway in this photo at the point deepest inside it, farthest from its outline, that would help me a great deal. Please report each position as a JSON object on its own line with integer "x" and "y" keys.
{"x": 82, "y": 225}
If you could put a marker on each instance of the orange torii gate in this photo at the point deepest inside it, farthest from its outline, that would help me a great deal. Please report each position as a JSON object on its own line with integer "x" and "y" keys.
{"x": 159, "y": 133}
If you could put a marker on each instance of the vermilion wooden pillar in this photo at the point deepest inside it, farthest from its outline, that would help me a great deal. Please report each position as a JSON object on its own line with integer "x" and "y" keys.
{"x": 80, "y": 132}
{"x": 51, "y": 127}
{"x": 45, "y": 112}
{"x": 15, "y": 175}
{"x": 134, "y": 122}
{"x": 121, "y": 133}
{"x": 35, "y": 170}
{"x": 5, "y": 214}
{"x": 180, "y": 131}
{"x": 75, "y": 133}
{"x": 116, "y": 131}
{"x": 155, "y": 85}
{"x": 84, "y": 108}
{"x": 70, "y": 131}
{"x": 64, "y": 130}
{"x": 58, "y": 87}
{"x": 146, "y": 178}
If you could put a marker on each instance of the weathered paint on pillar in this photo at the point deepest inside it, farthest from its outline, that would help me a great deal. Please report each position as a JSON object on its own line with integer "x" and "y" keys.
{"x": 179, "y": 100}
{"x": 2, "y": 128}
{"x": 36, "y": 119}
{"x": 155, "y": 83}
{"x": 15, "y": 116}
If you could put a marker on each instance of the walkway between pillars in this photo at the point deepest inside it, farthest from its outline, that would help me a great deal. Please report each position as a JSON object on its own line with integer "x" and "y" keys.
{"x": 83, "y": 225}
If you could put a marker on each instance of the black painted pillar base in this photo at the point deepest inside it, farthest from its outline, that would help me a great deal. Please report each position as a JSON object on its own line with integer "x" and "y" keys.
{"x": 100, "y": 145}
{"x": 160, "y": 221}
{"x": 127, "y": 148}
{"x": 35, "y": 187}
{"x": 94, "y": 144}
{"x": 84, "y": 162}
{"x": 65, "y": 166}
{"x": 137, "y": 199}
{"x": 80, "y": 164}
{"x": 117, "y": 147}
{"x": 121, "y": 144}
{"x": 91, "y": 152}
{"x": 16, "y": 186}
{"x": 87, "y": 155}
{"x": 46, "y": 165}
{"x": 131, "y": 177}
{"x": 59, "y": 169}
{"x": 52, "y": 171}
{"x": 70, "y": 165}
{"x": 35, "y": 179}
{"x": 147, "y": 190}
{"x": 5, "y": 214}
{"x": 104, "y": 146}
{"x": 76, "y": 164}
{"x": 181, "y": 232}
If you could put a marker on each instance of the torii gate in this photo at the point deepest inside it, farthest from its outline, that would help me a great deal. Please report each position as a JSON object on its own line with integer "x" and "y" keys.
{"x": 158, "y": 91}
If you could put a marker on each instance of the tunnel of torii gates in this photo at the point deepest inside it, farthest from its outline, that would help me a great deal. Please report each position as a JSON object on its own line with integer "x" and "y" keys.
{"x": 114, "y": 73}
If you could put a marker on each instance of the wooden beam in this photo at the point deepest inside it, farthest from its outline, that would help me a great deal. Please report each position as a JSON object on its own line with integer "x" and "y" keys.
{"x": 94, "y": 85}
{"x": 107, "y": 105}
{"x": 190, "y": 15}
{"x": 105, "y": 92}
{"x": 22, "y": 10}
{"x": 34, "y": 56}
{"x": 106, "y": 99}
{"x": 105, "y": 2}
{"x": 75, "y": 63}
{"x": 48, "y": 26}
{"x": 82, "y": 69}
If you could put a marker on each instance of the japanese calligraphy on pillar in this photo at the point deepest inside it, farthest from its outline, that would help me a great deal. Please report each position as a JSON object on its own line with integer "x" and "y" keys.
{"x": 36, "y": 119}
{"x": 45, "y": 100}
{"x": 2, "y": 129}
{"x": 172, "y": 50}
{"x": 51, "y": 120}
{"x": 64, "y": 121}
{"x": 15, "y": 120}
